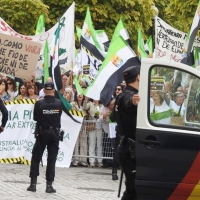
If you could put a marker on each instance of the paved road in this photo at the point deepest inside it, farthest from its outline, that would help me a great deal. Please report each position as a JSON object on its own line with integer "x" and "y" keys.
{"x": 75, "y": 183}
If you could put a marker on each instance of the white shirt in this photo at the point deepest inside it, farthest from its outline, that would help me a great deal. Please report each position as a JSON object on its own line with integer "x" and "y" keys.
{"x": 160, "y": 109}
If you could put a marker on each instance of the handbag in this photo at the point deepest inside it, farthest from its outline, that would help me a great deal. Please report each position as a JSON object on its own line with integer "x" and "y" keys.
{"x": 177, "y": 120}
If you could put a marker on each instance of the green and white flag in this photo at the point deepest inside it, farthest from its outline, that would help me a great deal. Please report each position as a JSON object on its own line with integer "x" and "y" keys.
{"x": 78, "y": 32}
{"x": 121, "y": 30}
{"x": 149, "y": 47}
{"x": 193, "y": 31}
{"x": 120, "y": 56}
{"x": 46, "y": 57}
{"x": 162, "y": 117}
{"x": 40, "y": 28}
{"x": 196, "y": 57}
{"x": 103, "y": 38}
{"x": 89, "y": 37}
{"x": 141, "y": 50}
{"x": 91, "y": 49}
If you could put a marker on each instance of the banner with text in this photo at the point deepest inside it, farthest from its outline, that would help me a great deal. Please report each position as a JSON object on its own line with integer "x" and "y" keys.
{"x": 169, "y": 42}
{"x": 18, "y": 140}
{"x": 66, "y": 39}
{"x": 18, "y": 57}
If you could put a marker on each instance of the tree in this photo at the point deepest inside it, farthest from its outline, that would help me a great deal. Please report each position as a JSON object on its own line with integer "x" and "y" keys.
{"x": 180, "y": 14}
{"x": 106, "y": 14}
{"x": 23, "y": 15}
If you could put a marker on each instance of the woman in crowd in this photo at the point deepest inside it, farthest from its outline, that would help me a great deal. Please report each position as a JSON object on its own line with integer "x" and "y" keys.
{"x": 115, "y": 140}
{"x": 65, "y": 83}
{"x": 11, "y": 87}
{"x": 90, "y": 127}
{"x": 77, "y": 104}
{"x": 21, "y": 92}
{"x": 178, "y": 107}
{"x": 5, "y": 96}
{"x": 160, "y": 112}
{"x": 104, "y": 117}
{"x": 95, "y": 138}
{"x": 68, "y": 94}
{"x": 32, "y": 92}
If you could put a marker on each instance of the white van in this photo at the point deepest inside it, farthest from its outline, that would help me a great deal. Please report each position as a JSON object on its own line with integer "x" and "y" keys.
{"x": 168, "y": 151}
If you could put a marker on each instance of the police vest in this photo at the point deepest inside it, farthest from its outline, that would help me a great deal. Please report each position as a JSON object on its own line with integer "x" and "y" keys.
{"x": 125, "y": 118}
{"x": 50, "y": 113}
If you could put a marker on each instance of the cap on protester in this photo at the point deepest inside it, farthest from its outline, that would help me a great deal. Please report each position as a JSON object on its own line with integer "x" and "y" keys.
{"x": 49, "y": 86}
{"x": 131, "y": 73}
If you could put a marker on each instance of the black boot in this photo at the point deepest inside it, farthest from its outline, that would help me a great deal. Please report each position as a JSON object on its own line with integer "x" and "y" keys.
{"x": 32, "y": 186}
{"x": 49, "y": 188}
{"x": 114, "y": 174}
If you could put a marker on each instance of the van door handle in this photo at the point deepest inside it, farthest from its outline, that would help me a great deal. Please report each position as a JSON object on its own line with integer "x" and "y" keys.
{"x": 143, "y": 141}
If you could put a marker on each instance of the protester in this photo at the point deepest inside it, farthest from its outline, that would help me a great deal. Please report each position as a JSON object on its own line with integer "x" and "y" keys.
{"x": 77, "y": 105}
{"x": 12, "y": 87}
{"x": 179, "y": 89}
{"x": 170, "y": 95}
{"x": 89, "y": 127}
{"x": 116, "y": 139}
{"x": 157, "y": 107}
{"x": 4, "y": 95}
{"x": 104, "y": 116}
{"x": 179, "y": 107}
{"x": 41, "y": 92}
{"x": 32, "y": 92}
{"x": 68, "y": 94}
{"x": 95, "y": 138}
{"x": 22, "y": 94}
{"x": 65, "y": 83}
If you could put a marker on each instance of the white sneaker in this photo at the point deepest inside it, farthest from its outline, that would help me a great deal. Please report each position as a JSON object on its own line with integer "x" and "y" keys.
{"x": 92, "y": 165}
{"x": 100, "y": 164}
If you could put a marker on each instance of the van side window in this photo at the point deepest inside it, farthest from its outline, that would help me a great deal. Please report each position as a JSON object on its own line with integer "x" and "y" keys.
{"x": 174, "y": 97}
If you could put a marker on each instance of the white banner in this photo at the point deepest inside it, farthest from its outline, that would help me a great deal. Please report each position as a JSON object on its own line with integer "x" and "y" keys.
{"x": 66, "y": 42}
{"x": 169, "y": 42}
{"x": 18, "y": 139}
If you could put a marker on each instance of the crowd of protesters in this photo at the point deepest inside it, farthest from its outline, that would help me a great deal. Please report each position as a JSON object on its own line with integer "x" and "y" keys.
{"x": 170, "y": 97}
{"x": 93, "y": 144}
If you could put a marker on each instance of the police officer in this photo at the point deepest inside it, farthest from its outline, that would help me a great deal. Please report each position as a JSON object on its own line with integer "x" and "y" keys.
{"x": 125, "y": 114}
{"x": 4, "y": 112}
{"x": 47, "y": 114}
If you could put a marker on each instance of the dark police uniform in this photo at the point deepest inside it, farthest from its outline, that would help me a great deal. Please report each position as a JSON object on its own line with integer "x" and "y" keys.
{"x": 47, "y": 114}
{"x": 125, "y": 114}
{"x": 4, "y": 112}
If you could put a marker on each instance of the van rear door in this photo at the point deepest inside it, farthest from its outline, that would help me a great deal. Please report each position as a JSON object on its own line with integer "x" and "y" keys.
{"x": 168, "y": 134}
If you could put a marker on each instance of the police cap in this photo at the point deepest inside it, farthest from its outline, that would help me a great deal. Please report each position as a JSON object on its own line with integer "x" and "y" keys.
{"x": 131, "y": 73}
{"x": 49, "y": 86}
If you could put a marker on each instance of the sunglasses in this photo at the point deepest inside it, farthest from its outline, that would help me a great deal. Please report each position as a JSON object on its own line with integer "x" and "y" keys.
{"x": 118, "y": 89}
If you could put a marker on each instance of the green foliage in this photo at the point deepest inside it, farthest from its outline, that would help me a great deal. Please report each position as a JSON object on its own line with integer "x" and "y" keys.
{"x": 22, "y": 15}
{"x": 106, "y": 14}
{"x": 180, "y": 13}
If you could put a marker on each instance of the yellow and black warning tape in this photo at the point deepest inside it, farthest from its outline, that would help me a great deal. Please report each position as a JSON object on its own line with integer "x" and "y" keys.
{"x": 32, "y": 101}
{"x": 20, "y": 160}
{"x": 23, "y": 101}
{"x": 77, "y": 113}
{"x": 91, "y": 79}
